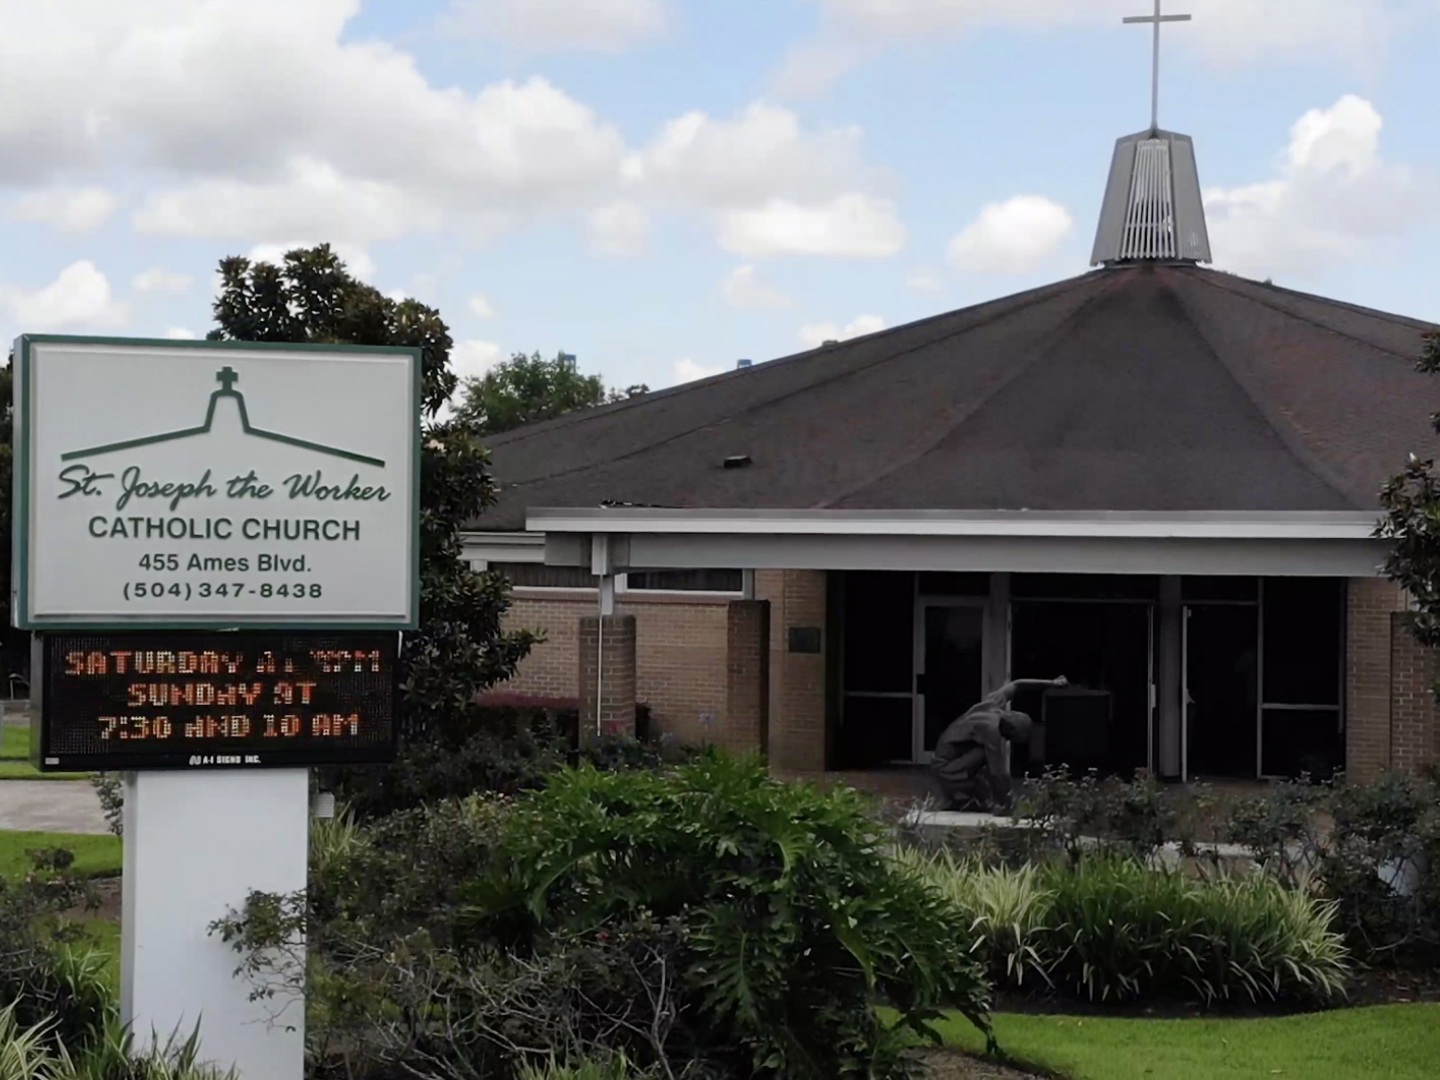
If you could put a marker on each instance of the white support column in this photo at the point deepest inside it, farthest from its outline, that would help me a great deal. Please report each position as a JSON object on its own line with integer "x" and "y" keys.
{"x": 196, "y": 844}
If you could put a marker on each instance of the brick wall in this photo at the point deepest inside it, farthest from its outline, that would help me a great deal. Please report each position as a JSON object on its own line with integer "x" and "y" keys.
{"x": 746, "y": 725}
{"x": 614, "y": 680}
{"x": 1414, "y": 729}
{"x": 1391, "y": 718}
{"x": 680, "y": 655}
{"x": 797, "y": 680}
{"x": 1370, "y": 605}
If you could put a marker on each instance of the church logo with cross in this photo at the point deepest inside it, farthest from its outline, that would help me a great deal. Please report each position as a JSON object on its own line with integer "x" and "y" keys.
{"x": 227, "y": 377}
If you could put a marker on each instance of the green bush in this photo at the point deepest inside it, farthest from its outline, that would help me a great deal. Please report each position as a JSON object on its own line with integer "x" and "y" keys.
{"x": 1109, "y": 929}
{"x": 1133, "y": 818}
{"x": 706, "y": 921}
{"x": 796, "y": 924}
{"x": 1374, "y": 849}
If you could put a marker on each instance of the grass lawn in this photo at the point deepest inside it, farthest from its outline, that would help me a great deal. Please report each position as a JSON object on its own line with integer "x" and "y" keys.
{"x": 15, "y": 757}
{"x": 1392, "y": 1042}
{"x": 94, "y": 855}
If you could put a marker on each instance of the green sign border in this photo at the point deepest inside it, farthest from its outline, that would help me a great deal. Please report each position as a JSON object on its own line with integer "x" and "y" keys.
{"x": 20, "y": 562}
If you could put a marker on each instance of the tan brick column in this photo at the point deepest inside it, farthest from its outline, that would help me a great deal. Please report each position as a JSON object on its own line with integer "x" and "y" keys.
{"x": 617, "y": 686}
{"x": 1370, "y": 606}
{"x": 797, "y": 679}
{"x": 1413, "y": 716}
{"x": 746, "y": 728}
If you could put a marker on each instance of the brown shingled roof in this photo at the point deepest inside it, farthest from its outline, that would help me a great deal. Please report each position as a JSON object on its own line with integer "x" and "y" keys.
{"x": 1142, "y": 388}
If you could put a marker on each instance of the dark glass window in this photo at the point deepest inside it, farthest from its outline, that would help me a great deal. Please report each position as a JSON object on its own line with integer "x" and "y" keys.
{"x": 879, "y": 633}
{"x": 729, "y": 581}
{"x": 1085, "y": 587}
{"x": 540, "y": 576}
{"x": 954, "y": 584}
{"x": 1200, "y": 589}
{"x": 1303, "y": 622}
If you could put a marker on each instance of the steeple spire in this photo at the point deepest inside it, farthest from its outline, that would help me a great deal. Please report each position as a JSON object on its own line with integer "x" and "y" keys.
{"x": 1157, "y": 19}
{"x": 1152, "y": 210}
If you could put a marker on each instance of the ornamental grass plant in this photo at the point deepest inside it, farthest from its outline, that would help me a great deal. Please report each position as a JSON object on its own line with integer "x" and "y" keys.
{"x": 1108, "y": 929}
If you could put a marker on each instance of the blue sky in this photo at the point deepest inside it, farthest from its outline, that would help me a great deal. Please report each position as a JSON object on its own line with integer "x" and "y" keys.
{"x": 665, "y": 186}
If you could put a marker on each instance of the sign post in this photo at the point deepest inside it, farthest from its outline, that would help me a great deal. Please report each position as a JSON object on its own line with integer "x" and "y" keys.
{"x": 217, "y": 547}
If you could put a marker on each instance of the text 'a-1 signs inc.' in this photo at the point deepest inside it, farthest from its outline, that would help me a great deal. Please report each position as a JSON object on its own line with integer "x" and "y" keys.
{"x": 182, "y": 699}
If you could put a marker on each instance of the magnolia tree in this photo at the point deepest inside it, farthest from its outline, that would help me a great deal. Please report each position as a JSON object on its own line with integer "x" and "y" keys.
{"x": 1411, "y": 523}
{"x": 460, "y": 647}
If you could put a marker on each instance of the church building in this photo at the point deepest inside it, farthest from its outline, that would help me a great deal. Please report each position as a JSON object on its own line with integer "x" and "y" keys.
{"x": 1156, "y": 479}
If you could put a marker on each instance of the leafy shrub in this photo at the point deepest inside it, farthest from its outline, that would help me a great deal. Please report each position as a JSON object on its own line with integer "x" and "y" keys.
{"x": 1381, "y": 863}
{"x": 1133, "y": 818}
{"x": 796, "y": 923}
{"x": 48, "y": 982}
{"x": 430, "y": 768}
{"x": 1372, "y": 848}
{"x": 613, "y": 1068}
{"x": 1110, "y": 929}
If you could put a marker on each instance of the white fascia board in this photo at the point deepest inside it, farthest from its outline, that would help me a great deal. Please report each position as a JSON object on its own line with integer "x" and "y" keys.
{"x": 1354, "y": 526}
{"x": 526, "y": 547}
{"x": 1267, "y": 557}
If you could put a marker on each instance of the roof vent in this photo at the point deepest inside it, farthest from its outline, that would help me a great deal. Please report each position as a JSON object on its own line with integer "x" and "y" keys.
{"x": 1152, "y": 210}
{"x": 737, "y": 461}
{"x": 739, "y": 364}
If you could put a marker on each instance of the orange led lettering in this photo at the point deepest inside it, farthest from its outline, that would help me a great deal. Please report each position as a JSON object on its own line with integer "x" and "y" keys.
{"x": 122, "y": 662}
{"x": 75, "y": 663}
{"x": 95, "y": 664}
{"x": 209, "y": 663}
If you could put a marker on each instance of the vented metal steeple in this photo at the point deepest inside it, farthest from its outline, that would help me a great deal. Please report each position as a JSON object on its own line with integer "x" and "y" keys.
{"x": 1152, "y": 209}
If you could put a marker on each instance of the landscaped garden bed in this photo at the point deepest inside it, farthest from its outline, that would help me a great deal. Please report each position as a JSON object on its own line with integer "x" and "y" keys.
{"x": 708, "y": 922}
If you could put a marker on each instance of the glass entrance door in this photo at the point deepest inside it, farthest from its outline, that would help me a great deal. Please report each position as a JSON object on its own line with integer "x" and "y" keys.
{"x": 1220, "y": 691}
{"x": 949, "y": 663}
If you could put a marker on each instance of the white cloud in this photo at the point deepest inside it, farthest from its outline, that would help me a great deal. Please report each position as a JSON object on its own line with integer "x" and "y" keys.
{"x": 179, "y": 333}
{"x": 853, "y": 225}
{"x": 687, "y": 370}
{"x": 743, "y": 289}
{"x": 313, "y": 197}
{"x": 273, "y": 122}
{"x": 546, "y": 25}
{"x": 356, "y": 259}
{"x": 620, "y": 229}
{"x": 813, "y": 68}
{"x": 158, "y": 280}
{"x": 71, "y": 210}
{"x": 471, "y": 359}
{"x": 816, "y": 334}
{"x": 1334, "y": 195}
{"x": 1017, "y": 236}
{"x": 761, "y": 154}
{"x": 1225, "y": 30}
{"x": 480, "y": 307}
{"x": 924, "y": 283}
{"x": 79, "y": 297}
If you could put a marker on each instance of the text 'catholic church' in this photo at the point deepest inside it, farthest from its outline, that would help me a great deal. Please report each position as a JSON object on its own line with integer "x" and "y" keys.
{"x": 1158, "y": 480}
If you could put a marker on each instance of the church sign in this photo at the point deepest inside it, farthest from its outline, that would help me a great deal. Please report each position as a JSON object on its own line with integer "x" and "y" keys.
{"x": 208, "y": 484}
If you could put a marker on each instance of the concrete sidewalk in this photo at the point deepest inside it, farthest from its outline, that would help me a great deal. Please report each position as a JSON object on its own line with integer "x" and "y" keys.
{"x": 66, "y": 806}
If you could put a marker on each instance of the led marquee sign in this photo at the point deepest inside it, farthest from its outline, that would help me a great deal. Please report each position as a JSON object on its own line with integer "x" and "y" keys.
{"x": 168, "y": 699}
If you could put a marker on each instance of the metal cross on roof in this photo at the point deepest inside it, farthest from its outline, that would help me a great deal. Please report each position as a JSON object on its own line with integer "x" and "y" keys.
{"x": 1157, "y": 19}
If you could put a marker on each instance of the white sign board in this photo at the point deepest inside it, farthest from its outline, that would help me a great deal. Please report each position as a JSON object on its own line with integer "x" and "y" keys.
{"x": 215, "y": 484}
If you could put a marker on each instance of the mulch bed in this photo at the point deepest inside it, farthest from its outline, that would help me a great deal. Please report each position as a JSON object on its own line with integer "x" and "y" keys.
{"x": 953, "y": 1065}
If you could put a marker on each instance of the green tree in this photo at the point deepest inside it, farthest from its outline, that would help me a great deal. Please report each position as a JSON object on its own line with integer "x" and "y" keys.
{"x": 14, "y": 645}
{"x": 1411, "y": 501}
{"x": 525, "y": 389}
{"x": 460, "y": 647}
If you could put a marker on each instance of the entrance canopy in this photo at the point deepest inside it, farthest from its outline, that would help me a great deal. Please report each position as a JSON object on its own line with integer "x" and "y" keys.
{"x": 1317, "y": 544}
